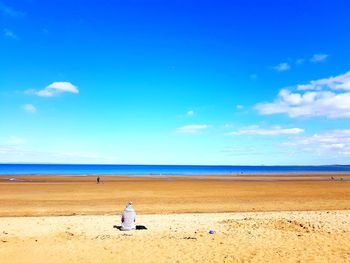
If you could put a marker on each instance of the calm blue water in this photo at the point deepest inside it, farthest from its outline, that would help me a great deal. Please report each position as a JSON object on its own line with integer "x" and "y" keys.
{"x": 191, "y": 170}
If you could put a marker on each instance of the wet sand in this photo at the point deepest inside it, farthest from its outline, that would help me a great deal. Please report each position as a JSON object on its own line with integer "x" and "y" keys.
{"x": 67, "y": 195}
{"x": 256, "y": 218}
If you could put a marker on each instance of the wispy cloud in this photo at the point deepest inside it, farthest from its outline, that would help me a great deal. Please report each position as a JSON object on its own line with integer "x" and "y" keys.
{"x": 9, "y": 11}
{"x": 17, "y": 153}
{"x": 340, "y": 82}
{"x": 190, "y": 113}
{"x": 330, "y": 142}
{"x": 299, "y": 61}
{"x": 54, "y": 89}
{"x": 239, "y": 106}
{"x": 30, "y": 108}
{"x": 282, "y": 67}
{"x": 14, "y": 141}
{"x": 227, "y": 125}
{"x": 10, "y": 34}
{"x": 194, "y": 128}
{"x": 319, "y": 57}
{"x": 273, "y": 131}
{"x": 314, "y": 59}
{"x": 240, "y": 150}
{"x": 329, "y": 97}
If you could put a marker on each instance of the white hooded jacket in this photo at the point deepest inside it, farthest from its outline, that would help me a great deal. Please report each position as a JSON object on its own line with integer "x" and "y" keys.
{"x": 128, "y": 218}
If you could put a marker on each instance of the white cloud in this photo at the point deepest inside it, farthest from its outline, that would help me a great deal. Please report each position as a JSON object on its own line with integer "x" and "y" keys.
{"x": 239, "y": 106}
{"x": 190, "y": 113}
{"x": 282, "y": 67}
{"x": 319, "y": 57}
{"x": 335, "y": 142}
{"x": 10, "y": 34}
{"x": 273, "y": 131}
{"x": 194, "y": 128}
{"x": 329, "y": 97}
{"x": 29, "y": 108}
{"x": 54, "y": 89}
{"x": 340, "y": 82}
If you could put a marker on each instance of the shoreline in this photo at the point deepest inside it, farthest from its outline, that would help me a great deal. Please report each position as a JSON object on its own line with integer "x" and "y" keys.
{"x": 251, "y": 177}
{"x": 306, "y": 173}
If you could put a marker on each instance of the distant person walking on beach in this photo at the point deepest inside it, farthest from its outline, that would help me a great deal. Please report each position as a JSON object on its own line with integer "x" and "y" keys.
{"x": 128, "y": 218}
{"x": 98, "y": 180}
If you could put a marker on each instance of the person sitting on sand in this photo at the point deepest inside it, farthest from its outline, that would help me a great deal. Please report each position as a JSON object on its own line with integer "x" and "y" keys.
{"x": 128, "y": 218}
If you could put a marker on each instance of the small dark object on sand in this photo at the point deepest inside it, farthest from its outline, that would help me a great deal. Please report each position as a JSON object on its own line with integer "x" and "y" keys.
{"x": 138, "y": 227}
{"x": 194, "y": 238}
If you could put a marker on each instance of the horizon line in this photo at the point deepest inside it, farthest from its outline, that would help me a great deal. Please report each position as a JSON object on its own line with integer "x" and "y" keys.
{"x": 114, "y": 164}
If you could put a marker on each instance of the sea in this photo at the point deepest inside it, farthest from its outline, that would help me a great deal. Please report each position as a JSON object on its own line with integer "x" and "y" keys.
{"x": 159, "y": 170}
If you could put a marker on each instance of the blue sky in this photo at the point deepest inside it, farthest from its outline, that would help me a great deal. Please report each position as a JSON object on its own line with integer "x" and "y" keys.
{"x": 175, "y": 82}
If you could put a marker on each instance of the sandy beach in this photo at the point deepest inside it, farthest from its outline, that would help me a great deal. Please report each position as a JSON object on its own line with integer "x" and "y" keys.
{"x": 256, "y": 218}
{"x": 174, "y": 131}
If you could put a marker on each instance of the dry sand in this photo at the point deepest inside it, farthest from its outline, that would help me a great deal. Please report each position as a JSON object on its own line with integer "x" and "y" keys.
{"x": 239, "y": 237}
{"x": 320, "y": 235}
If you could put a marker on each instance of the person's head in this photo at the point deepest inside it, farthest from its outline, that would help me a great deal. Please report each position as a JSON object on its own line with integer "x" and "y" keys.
{"x": 129, "y": 203}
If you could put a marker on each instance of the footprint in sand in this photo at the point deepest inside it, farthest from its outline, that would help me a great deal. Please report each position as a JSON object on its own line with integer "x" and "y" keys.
{"x": 69, "y": 233}
{"x": 279, "y": 224}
